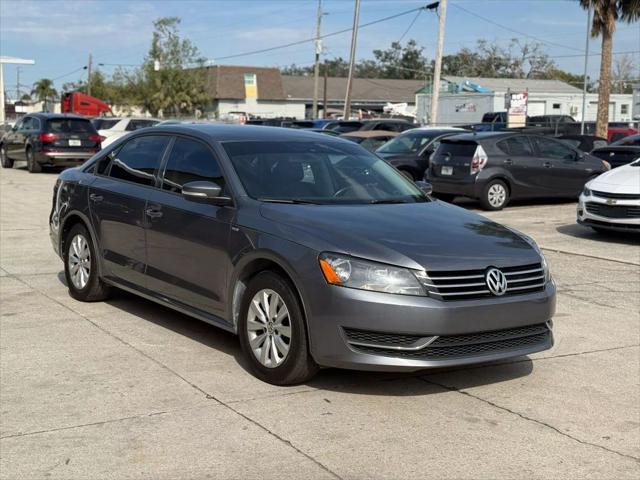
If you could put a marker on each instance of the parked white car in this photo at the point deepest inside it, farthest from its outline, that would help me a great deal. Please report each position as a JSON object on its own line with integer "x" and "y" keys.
{"x": 123, "y": 126}
{"x": 612, "y": 200}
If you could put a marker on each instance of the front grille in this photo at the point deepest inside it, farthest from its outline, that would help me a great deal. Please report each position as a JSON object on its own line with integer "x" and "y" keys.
{"x": 380, "y": 338}
{"x": 613, "y": 211}
{"x": 470, "y": 345}
{"x": 471, "y": 284}
{"x": 616, "y": 196}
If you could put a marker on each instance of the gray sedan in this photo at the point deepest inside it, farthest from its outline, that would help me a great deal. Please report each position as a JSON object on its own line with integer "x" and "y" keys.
{"x": 313, "y": 250}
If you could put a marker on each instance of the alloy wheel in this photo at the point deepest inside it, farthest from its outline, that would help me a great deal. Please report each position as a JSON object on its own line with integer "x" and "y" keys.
{"x": 269, "y": 328}
{"x": 496, "y": 195}
{"x": 79, "y": 259}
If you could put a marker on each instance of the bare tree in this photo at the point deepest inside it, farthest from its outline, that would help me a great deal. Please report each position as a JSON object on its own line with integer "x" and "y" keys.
{"x": 622, "y": 75}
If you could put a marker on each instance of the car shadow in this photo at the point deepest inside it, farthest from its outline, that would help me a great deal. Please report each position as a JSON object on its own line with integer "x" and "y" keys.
{"x": 48, "y": 170}
{"x": 424, "y": 382}
{"x": 579, "y": 231}
{"x": 472, "y": 204}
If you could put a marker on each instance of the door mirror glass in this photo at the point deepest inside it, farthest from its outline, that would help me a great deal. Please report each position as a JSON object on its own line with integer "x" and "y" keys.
{"x": 203, "y": 191}
{"x": 426, "y": 187}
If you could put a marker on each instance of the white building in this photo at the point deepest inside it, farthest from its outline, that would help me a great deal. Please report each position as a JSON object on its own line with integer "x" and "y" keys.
{"x": 458, "y": 104}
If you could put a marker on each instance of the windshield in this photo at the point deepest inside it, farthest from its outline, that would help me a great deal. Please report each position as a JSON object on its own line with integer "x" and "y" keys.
{"x": 318, "y": 172}
{"x": 408, "y": 143}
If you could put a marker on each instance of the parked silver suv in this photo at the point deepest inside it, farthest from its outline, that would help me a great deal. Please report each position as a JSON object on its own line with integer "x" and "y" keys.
{"x": 313, "y": 250}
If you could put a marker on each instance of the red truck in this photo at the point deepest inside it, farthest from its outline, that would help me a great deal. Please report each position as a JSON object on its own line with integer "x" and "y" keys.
{"x": 82, "y": 104}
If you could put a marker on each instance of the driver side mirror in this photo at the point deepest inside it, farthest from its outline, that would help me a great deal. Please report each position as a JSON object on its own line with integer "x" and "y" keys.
{"x": 426, "y": 187}
{"x": 579, "y": 156}
{"x": 204, "y": 192}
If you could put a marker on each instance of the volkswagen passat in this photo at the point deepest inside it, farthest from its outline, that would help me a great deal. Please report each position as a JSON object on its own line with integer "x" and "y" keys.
{"x": 313, "y": 250}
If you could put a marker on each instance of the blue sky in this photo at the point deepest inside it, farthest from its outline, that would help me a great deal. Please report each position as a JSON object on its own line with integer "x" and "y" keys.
{"x": 59, "y": 35}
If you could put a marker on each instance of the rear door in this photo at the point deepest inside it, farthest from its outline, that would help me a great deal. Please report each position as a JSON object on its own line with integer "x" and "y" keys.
{"x": 452, "y": 160}
{"x": 17, "y": 137}
{"x": 187, "y": 241}
{"x": 527, "y": 170}
{"x": 565, "y": 171}
{"x": 117, "y": 201}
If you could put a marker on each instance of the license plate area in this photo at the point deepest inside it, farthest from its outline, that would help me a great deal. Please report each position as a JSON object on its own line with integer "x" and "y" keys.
{"x": 75, "y": 143}
{"x": 446, "y": 171}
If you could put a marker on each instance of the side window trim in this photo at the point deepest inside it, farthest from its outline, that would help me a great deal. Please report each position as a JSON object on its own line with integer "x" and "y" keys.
{"x": 112, "y": 154}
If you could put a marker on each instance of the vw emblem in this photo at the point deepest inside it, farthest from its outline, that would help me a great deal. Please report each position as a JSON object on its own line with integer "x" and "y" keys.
{"x": 611, "y": 201}
{"x": 496, "y": 281}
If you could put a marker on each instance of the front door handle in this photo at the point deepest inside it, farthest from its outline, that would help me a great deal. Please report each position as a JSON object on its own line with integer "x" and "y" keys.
{"x": 96, "y": 198}
{"x": 153, "y": 212}
{"x": 547, "y": 164}
{"x": 508, "y": 161}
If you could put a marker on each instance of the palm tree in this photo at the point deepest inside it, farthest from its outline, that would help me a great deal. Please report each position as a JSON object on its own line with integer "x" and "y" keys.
{"x": 43, "y": 90}
{"x": 605, "y": 15}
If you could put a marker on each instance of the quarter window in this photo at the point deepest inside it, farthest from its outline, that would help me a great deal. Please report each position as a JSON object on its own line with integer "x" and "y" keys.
{"x": 516, "y": 146}
{"x": 190, "y": 161}
{"x": 553, "y": 149}
{"x": 138, "y": 159}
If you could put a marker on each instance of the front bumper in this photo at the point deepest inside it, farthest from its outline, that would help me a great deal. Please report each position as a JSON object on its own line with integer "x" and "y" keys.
{"x": 591, "y": 219}
{"x": 337, "y": 311}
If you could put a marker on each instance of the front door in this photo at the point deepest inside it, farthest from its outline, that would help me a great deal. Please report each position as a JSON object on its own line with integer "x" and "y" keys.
{"x": 117, "y": 201}
{"x": 568, "y": 171}
{"x": 187, "y": 241}
{"x": 530, "y": 176}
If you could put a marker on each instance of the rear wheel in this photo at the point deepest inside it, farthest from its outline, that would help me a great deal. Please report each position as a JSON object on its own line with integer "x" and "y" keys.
{"x": 407, "y": 174}
{"x": 80, "y": 267}
{"x": 4, "y": 158}
{"x": 273, "y": 333}
{"x": 32, "y": 165}
{"x": 495, "y": 195}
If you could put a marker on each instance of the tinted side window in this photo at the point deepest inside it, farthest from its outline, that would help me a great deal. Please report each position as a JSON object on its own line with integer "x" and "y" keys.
{"x": 516, "y": 146}
{"x": 27, "y": 124}
{"x": 138, "y": 124}
{"x": 138, "y": 159}
{"x": 190, "y": 161}
{"x": 553, "y": 149}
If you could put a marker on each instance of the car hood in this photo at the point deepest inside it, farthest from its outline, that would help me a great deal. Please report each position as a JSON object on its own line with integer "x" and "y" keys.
{"x": 625, "y": 179}
{"x": 390, "y": 157}
{"x": 433, "y": 235}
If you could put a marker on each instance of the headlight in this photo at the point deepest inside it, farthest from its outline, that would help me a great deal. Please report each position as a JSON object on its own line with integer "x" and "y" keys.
{"x": 532, "y": 242}
{"x": 545, "y": 269}
{"x": 586, "y": 192}
{"x": 606, "y": 164}
{"x": 365, "y": 275}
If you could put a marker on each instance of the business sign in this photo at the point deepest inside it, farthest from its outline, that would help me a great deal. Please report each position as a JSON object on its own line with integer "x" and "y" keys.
{"x": 516, "y": 104}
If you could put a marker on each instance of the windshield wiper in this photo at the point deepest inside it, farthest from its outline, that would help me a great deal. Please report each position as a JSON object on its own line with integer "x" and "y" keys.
{"x": 288, "y": 200}
{"x": 388, "y": 200}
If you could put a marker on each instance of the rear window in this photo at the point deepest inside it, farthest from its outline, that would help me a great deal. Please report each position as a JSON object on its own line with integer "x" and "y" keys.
{"x": 457, "y": 149}
{"x": 69, "y": 125}
{"x": 102, "y": 124}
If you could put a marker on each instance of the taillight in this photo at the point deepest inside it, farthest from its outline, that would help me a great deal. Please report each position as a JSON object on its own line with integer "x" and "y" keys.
{"x": 479, "y": 160}
{"x": 94, "y": 137}
{"x": 48, "y": 137}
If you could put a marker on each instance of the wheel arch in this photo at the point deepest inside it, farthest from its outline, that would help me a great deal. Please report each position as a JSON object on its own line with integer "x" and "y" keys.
{"x": 73, "y": 218}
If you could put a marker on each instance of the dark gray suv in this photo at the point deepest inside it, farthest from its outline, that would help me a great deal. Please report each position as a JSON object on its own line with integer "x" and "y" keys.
{"x": 313, "y": 250}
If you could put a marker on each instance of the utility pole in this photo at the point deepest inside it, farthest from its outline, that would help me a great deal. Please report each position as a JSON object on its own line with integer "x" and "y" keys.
{"x": 352, "y": 59}
{"x": 89, "y": 75}
{"x": 18, "y": 82}
{"x": 435, "y": 91}
{"x": 316, "y": 70}
{"x": 324, "y": 92}
{"x": 586, "y": 62}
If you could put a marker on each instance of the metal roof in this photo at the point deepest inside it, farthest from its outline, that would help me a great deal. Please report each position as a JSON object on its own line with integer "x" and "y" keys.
{"x": 518, "y": 84}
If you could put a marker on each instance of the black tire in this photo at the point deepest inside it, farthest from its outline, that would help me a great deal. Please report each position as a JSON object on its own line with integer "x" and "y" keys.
{"x": 297, "y": 366}
{"x": 95, "y": 289}
{"x": 32, "y": 165}
{"x": 4, "y": 158}
{"x": 495, "y": 195}
{"x": 445, "y": 197}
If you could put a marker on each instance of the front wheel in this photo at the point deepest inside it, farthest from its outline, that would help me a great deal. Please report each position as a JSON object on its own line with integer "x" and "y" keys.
{"x": 4, "y": 158}
{"x": 80, "y": 267}
{"x": 495, "y": 195}
{"x": 32, "y": 165}
{"x": 272, "y": 332}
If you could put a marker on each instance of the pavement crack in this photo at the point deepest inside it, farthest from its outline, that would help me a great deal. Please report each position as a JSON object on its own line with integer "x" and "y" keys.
{"x": 606, "y": 259}
{"x": 91, "y": 424}
{"x": 530, "y": 419}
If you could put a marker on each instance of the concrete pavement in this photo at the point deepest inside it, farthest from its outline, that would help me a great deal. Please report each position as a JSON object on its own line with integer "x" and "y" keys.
{"x": 130, "y": 389}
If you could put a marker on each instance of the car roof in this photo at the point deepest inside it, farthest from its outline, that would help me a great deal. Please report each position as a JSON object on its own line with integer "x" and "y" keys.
{"x": 225, "y": 133}
{"x": 47, "y": 116}
{"x": 371, "y": 134}
{"x": 478, "y": 136}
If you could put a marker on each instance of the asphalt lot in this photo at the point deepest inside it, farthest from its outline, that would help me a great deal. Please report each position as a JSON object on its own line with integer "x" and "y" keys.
{"x": 129, "y": 389}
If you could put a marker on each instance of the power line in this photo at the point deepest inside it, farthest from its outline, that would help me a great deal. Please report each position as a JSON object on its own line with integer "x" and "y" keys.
{"x": 332, "y": 34}
{"x": 67, "y": 74}
{"x": 410, "y": 25}
{"x": 488, "y": 20}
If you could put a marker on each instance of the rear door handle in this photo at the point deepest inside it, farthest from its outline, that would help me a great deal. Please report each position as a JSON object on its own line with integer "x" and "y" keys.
{"x": 153, "y": 212}
{"x": 547, "y": 164}
{"x": 508, "y": 161}
{"x": 96, "y": 198}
